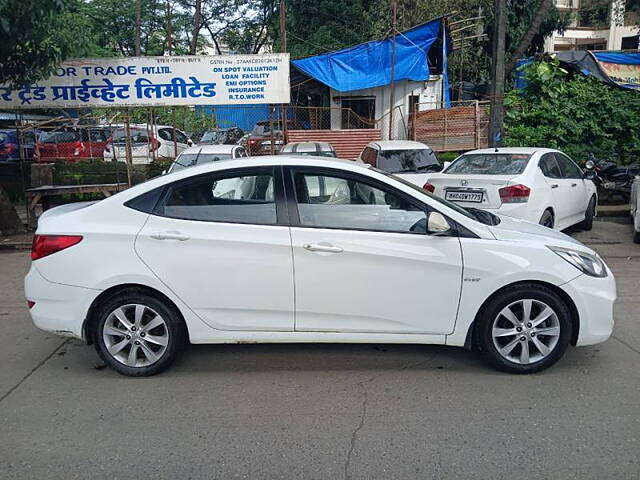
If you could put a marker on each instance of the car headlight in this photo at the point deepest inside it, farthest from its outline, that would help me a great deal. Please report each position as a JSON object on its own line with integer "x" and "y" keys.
{"x": 587, "y": 263}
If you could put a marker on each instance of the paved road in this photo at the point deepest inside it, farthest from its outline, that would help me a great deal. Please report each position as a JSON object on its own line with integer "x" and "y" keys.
{"x": 322, "y": 411}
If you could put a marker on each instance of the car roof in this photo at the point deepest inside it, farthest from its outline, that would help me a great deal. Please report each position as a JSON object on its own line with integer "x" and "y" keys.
{"x": 209, "y": 148}
{"x": 398, "y": 145}
{"x": 294, "y": 147}
{"x": 520, "y": 150}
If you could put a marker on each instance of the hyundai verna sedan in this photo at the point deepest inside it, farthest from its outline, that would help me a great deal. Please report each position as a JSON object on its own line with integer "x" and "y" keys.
{"x": 536, "y": 184}
{"x": 291, "y": 249}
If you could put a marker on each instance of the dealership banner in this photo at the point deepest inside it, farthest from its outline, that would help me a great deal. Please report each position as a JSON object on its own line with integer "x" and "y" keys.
{"x": 158, "y": 81}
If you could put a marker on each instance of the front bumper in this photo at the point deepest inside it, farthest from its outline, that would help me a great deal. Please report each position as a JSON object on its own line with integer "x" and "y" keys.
{"x": 594, "y": 299}
{"x": 60, "y": 309}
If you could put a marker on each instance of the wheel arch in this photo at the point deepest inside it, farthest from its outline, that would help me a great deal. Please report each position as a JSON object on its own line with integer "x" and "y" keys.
{"x": 89, "y": 324}
{"x": 575, "y": 317}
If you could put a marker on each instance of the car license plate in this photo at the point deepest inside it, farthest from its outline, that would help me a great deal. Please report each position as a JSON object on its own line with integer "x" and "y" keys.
{"x": 464, "y": 196}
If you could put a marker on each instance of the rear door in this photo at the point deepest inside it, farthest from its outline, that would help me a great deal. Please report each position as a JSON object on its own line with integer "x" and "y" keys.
{"x": 220, "y": 242}
{"x": 561, "y": 189}
{"x": 577, "y": 187}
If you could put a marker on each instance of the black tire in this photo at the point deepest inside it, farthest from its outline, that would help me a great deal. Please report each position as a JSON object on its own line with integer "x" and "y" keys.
{"x": 483, "y": 338}
{"x": 173, "y": 327}
{"x": 587, "y": 223}
{"x": 547, "y": 219}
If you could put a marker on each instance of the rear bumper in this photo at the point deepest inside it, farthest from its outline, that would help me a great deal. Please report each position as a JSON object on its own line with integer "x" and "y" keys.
{"x": 594, "y": 299}
{"x": 60, "y": 309}
{"x": 523, "y": 211}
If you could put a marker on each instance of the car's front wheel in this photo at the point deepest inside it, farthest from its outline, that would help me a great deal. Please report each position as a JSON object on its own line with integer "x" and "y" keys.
{"x": 138, "y": 334}
{"x": 525, "y": 329}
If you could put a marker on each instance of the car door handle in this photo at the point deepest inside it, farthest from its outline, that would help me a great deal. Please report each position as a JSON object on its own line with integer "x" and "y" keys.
{"x": 170, "y": 236}
{"x": 554, "y": 185}
{"x": 574, "y": 184}
{"x": 320, "y": 247}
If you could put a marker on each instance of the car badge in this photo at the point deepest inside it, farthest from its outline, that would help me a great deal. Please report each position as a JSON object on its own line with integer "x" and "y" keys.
{"x": 463, "y": 183}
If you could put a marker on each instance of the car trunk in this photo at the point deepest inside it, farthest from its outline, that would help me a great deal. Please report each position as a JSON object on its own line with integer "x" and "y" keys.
{"x": 480, "y": 191}
{"x": 139, "y": 152}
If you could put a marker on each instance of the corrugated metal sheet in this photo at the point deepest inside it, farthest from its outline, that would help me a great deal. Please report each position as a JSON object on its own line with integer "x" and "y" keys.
{"x": 348, "y": 143}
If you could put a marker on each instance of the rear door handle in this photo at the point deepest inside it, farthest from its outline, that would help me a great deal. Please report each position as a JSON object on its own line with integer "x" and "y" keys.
{"x": 170, "y": 236}
{"x": 554, "y": 185}
{"x": 574, "y": 184}
{"x": 321, "y": 247}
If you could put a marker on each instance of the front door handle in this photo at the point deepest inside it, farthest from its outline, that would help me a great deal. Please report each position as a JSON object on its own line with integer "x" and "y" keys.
{"x": 574, "y": 184}
{"x": 170, "y": 236}
{"x": 554, "y": 185}
{"x": 322, "y": 247}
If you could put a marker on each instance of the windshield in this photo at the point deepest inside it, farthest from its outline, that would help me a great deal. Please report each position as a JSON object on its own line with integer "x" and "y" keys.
{"x": 191, "y": 159}
{"x": 326, "y": 153}
{"x": 396, "y": 161}
{"x": 137, "y": 136}
{"x": 214, "y": 136}
{"x": 59, "y": 137}
{"x": 490, "y": 164}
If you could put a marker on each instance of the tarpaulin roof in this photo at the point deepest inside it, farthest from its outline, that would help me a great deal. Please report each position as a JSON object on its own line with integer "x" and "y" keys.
{"x": 623, "y": 58}
{"x": 368, "y": 65}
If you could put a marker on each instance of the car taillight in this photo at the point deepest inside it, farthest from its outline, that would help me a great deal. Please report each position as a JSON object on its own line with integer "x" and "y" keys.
{"x": 30, "y": 304}
{"x": 78, "y": 148}
{"x": 429, "y": 187}
{"x": 44, "y": 245}
{"x": 254, "y": 140}
{"x": 514, "y": 194}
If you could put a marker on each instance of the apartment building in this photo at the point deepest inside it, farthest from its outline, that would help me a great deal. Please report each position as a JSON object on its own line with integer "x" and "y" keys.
{"x": 597, "y": 25}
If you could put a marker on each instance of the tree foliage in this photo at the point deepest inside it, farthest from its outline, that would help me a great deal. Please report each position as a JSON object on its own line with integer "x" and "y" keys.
{"x": 574, "y": 113}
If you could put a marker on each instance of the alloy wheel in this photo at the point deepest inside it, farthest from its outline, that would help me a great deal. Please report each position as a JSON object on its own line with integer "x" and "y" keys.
{"x": 526, "y": 331}
{"x": 135, "y": 335}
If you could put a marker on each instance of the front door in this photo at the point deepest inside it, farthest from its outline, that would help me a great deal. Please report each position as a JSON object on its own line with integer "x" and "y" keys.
{"x": 363, "y": 261}
{"x": 219, "y": 243}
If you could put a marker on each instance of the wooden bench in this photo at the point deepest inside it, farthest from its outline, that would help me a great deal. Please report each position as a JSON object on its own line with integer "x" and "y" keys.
{"x": 39, "y": 194}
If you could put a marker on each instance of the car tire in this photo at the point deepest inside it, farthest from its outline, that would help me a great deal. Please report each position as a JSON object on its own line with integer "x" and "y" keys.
{"x": 533, "y": 348}
{"x": 547, "y": 219}
{"x": 590, "y": 212}
{"x": 138, "y": 334}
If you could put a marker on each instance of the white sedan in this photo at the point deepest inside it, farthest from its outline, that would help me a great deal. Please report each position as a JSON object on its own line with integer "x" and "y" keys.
{"x": 537, "y": 184}
{"x": 291, "y": 249}
{"x": 206, "y": 153}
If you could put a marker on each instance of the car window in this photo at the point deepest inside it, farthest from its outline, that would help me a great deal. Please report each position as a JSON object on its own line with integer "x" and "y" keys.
{"x": 165, "y": 134}
{"x": 549, "y": 166}
{"x": 396, "y": 161}
{"x": 223, "y": 198}
{"x": 185, "y": 160}
{"x": 569, "y": 169}
{"x": 97, "y": 136}
{"x": 60, "y": 137}
{"x": 489, "y": 164}
{"x": 329, "y": 201}
{"x": 137, "y": 136}
{"x": 181, "y": 137}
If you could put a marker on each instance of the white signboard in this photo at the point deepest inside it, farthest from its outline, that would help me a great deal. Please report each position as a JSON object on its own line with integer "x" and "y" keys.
{"x": 156, "y": 81}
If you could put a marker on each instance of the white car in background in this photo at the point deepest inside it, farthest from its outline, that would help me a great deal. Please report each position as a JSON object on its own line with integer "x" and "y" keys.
{"x": 413, "y": 161}
{"x": 147, "y": 144}
{"x": 540, "y": 185}
{"x": 317, "y": 149}
{"x": 201, "y": 154}
{"x": 303, "y": 249}
{"x": 634, "y": 204}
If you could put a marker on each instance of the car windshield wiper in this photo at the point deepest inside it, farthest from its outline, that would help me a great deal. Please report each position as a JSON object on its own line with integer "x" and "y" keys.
{"x": 431, "y": 166}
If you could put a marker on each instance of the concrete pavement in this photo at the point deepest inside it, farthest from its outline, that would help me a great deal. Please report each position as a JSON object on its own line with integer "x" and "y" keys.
{"x": 322, "y": 411}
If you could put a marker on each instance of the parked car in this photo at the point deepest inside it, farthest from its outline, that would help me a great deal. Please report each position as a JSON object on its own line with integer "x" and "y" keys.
{"x": 147, "y": 143}
{"x": 225, "y": 136}
{"x": 71, "y": 144}
{"x": 10, "y": 144}
{"x": 634, "y": 204}
{"x": 318, "y": 149}
{"x": 541, "y": 185}
{"x": 208, "y": 254}
{"x": 259, "y": 140}
{"x": 408, "y": 159}
{"x": 201, "y": 154}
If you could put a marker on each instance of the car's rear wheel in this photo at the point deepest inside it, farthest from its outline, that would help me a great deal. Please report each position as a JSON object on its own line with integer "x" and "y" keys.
{"x": 525, "y": 329}
{"x": 138, "y": 334}
{"x": 547, "y": 219}
{"x": 587, "y": 223}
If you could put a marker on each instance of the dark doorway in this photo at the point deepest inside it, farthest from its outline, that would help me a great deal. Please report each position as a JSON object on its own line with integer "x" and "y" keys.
{"x": 358, "y": 112}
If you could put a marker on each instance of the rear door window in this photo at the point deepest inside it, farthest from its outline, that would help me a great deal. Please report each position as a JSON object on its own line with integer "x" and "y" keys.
{"x": 549, "y": 166}
{"x": 569, "y": 169}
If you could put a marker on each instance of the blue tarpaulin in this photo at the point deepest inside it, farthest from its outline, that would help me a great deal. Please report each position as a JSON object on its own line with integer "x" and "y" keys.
{"x": 622, "y": 58}
{"x": 368, "y": 65}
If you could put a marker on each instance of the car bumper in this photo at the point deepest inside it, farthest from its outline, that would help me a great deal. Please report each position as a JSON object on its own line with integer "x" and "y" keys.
{"x": 523, "y": 211}
{"x": 58, "y": 308}
{"x": 594, "y": 299}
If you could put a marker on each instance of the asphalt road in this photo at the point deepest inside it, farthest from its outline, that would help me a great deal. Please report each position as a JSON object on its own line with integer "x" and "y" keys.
{"x": 322, "y": 411}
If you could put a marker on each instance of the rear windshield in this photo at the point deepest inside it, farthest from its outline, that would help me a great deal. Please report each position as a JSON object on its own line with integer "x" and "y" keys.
{"x": 490, "y": 164}
{"x": 137, "y": 136}
{"x": 214, "y": 137}
{"x": 59, "y": 137}
{"x": 191, "y": 159}
{"x": 396, "y": 161}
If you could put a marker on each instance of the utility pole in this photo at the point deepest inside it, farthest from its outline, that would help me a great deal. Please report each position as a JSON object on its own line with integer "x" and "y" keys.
{"x": 394, "y": 18}
{"x": 169, "y": 33}
{"x": 283, "y": 49}
{"x": 138, "y": 27}
{"x": 497, "y": 74}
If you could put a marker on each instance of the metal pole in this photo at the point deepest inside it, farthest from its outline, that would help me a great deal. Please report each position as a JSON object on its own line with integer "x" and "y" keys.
{"x": 273, "y": 147}
{"x": 497, "y": 74}
{"x": 283, "y": 49}
{"x": 173, "y": 125}
{"x": 127, "y": 145}
{"x": 394, "y": 11}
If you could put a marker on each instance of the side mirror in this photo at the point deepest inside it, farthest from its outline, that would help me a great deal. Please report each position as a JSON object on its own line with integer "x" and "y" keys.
{"x": 437, "y": 225}
{"x": 589, "y": 174}
{"x": 446, "y": 165}
{"x": 190, "y": 142}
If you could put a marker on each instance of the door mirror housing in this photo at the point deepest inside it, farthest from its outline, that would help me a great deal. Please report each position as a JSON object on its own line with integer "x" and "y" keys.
{"x": 437, "y": 225}
{"x": 589, "y": 174}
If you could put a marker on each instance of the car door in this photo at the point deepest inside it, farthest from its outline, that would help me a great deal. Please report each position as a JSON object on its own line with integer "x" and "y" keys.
{"x": 560, "y": 187}
{"x": 220, "y": 242}
{"x": 363, "y": 262}
{"x": 578, "y": 194}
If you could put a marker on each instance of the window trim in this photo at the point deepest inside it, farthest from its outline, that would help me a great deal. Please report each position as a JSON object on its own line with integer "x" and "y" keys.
{"x": 292, "y": 201}
{"x": 278, "y": 192}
